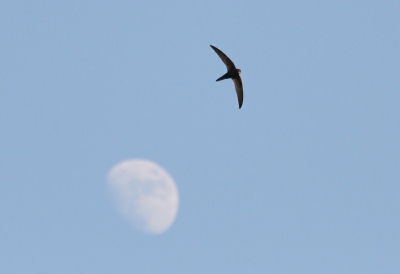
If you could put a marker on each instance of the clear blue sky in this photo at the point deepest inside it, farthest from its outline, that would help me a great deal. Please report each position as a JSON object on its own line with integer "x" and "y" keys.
{"x": 305, "y": 178}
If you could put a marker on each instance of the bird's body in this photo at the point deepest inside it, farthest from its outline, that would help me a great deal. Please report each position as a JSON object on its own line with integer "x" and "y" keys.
{"x": 232, "y": 73}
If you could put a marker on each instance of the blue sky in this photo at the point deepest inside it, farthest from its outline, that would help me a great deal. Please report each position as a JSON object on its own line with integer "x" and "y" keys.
{"x": 303, "y": 179}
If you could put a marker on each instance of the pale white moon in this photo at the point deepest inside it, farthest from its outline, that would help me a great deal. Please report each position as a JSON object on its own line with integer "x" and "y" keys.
{"x": 145, "y": 194}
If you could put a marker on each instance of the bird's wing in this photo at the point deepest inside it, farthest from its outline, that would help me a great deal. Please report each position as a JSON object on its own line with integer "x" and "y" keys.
{"x": 239, "y": 89}
{"x": 228, "y": 63}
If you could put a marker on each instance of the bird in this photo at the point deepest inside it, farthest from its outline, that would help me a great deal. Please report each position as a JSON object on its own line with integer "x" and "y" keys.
{"x": 232, "y": 73}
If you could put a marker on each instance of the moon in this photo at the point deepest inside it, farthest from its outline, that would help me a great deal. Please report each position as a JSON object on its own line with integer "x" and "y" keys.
{"x": 145, "y": 195}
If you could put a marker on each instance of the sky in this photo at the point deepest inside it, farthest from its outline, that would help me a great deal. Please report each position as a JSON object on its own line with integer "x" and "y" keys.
{"x": 304, "y": 178}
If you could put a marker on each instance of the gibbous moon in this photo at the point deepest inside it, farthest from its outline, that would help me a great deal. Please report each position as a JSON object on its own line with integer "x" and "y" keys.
{"x": 145, "y": 194}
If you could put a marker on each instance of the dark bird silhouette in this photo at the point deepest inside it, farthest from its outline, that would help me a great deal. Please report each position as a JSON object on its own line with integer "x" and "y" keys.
{"x": 232, "y": 73}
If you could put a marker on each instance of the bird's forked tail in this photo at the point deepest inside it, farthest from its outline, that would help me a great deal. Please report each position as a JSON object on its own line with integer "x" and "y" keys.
{"x": 223, "y": 77}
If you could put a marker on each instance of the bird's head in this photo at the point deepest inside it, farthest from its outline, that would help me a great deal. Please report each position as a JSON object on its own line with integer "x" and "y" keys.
{"x": 239, "y": 71}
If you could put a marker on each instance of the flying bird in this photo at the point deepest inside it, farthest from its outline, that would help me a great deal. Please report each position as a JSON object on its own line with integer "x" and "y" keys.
{"x": 232, "y": 73}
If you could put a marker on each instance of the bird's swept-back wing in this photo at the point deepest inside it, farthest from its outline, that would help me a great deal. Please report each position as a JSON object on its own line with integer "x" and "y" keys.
{"x": 229, "y": 64}
{"x": 239, "y": 89}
